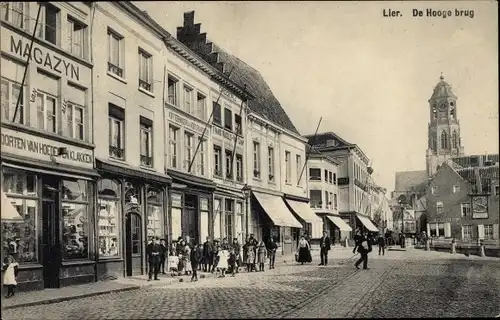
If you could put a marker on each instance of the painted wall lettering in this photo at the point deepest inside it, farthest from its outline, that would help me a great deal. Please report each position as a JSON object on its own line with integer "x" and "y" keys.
{"x": 227, "y": 135}
{"x": 48, "y": 60}
{"x": 185, "y": 122}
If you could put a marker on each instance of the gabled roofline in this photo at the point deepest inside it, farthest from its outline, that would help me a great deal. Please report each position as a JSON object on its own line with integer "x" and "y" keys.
{"x": 327, "y": 133}
{"x": 446, "y": 164}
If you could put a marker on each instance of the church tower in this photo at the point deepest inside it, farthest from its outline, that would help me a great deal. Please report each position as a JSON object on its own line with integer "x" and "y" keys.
{"x": 444, "y": 128}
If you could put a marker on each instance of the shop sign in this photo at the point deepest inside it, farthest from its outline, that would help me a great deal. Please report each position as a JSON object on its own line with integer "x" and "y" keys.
{"x": 43, "y": 57}
{"x": 218, "y": 131}
{"x": 34, "y": 147}
{"x": 185, "y": 122}
{"x": 480, "y": 207}
{"x": 177, "y": 200}
{"x": 444, "y": 220}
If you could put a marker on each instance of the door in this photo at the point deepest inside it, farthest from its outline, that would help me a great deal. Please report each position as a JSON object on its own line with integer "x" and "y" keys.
{"x": 133, "y": 244}
{"x": 50, "y": 232}
{"x": 190, "y": 217}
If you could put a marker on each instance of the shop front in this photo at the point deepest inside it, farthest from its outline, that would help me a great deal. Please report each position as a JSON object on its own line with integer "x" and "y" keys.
{"x": 275, "y": 220}
{"x": 131, "y": 209}
{"x": 191, "y": 207}
{"x": 338, "y": 229}
{"x": 366, "y": 224}
{"x": 51, "y": 184}
{"x": 312, "y": 225}
{"x": 229, "y": 218}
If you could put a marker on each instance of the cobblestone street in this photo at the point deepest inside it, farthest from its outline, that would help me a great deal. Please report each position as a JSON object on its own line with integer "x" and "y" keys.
{"x": 400, "y": 284}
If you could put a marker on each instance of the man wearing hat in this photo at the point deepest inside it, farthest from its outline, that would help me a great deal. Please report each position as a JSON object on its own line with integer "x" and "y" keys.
{"x": 153, "y": 250}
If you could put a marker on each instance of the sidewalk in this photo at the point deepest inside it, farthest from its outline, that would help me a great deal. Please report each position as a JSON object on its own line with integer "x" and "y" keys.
{"x": 47, "y": 296}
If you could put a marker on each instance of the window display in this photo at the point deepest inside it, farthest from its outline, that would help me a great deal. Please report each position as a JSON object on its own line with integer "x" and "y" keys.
{"x": 108, "y": 218}
{"x": 154, "y": 214}
{"x": 75, "y": 231}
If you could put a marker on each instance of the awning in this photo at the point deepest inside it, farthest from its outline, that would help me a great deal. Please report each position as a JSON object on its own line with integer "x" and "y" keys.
{"x": 367, "y": 223}
{"x": 303, "y": 210}
{"x": 125, "y": 170}
{"x": 339, "y": 223}
{"x": 276, "y": 209}
{"x": 9, "y": 212}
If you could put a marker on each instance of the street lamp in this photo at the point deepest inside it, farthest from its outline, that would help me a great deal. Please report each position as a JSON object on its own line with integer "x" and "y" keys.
{"x": 246, "y": 191}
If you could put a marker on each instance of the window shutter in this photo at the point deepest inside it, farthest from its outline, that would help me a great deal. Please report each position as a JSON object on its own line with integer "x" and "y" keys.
{"x": 480, "y": 231}
{"x": 495, "y": 231}
{"x": 447, "y": 230}
{"x": 462, "y": 228}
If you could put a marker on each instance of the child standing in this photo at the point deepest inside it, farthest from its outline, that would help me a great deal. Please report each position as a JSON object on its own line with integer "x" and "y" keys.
{"x": 186, "y": 255}
{"x": 250, "y": 249}
{"x": 261, "y": 255}
{"x": 195, "y": 258}
{"x": 11, "y": 268}
{"x": 222, "y": 265}
{"x": 232, "y": 262}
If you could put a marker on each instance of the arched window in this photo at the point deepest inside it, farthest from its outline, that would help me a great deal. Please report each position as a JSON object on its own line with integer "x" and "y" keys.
{"x": 454, "y": 139}
{"x": 444, "y": 140}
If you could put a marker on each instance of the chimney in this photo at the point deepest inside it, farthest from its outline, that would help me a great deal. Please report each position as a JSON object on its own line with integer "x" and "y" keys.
{"x": 478, "y": 180}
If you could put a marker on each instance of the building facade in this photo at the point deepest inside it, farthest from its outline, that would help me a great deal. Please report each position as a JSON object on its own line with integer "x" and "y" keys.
{"x": 128, "y": 81}
{"x": 47, "y": 142}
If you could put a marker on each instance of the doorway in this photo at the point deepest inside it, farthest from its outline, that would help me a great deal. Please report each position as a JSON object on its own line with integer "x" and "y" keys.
{"x": 190, "y": 217}
{"x": 133, "y": 244}
{"x": 50, "y": 232}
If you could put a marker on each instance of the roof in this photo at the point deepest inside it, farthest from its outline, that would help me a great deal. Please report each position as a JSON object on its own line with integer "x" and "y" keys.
{"x": 410, "y": 180}
{"x": 442, "y": 90}
{"x": 264, "y": 104}
{"x": 327, "y": 139}
{"x": 475, "y": 160}
{"x": 484, "y": 173}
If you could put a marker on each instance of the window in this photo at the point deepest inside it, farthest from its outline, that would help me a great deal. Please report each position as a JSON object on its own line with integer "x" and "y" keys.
{"x": 217, "y": 161}
{"x": 315, "y": 174}
{"x": 20, "y": 238}
{"x": 228, "y": 119}
{"x": 440, "y": 231}
{"x": 335, "y": 201}
{"x": 74, "y": 121}
{"x": 145, "y": 71}
{"x": 10, "y": 92}
{"x": 334, "y": 178}
{"x": 172, "y": 90}
{"x": 439, "y": 207}
{"x": 467, "y": 232}
{"x": 239, "y": 222}
{"x": 288, "y": 168}
{"x": 173, "y": 136}
{"x": 200, "y": 106}
{"x": 270, "y": 162}
{"x": 75, "y": 211}
{"x": 327, "y": 200}
{"x": 456, "y": 188}
{"x": 315, "y": 196}
{"x": 188, "y": 149}
{"x": 217, "y": 218}
{"x": 48, "y": 23}
{"x": 454, "y": 139}
{"x": 115, "y": 52}
{"x": 201, "y": 157}
{"x": 496, "y": 190}
{"x": 229, "y": 164}
{"x": 330, "y": 177}
{"x": 434, "y": 189}
{"x": 228, "y": 219}
{"x": 488, "y": 232}
{"x": 298, "y": 163}
{"x": 188, "y": 99}
{"x": 76, "y": 38}
{"x": 14, "y": 12}
{"x": 46, "y": 107}
{"x": 155, "y": 214}
{"x": 256, "y": 159}
{"x": 146, "y": 135}
{"x": 326, "y": 176}
{"x": 239, "y": 167}
{"x": 135, "y": 233}
{"x": 109, "y": 204}
{"x": 217, "y": 114}
{"x": 238, "y": 124}
{"x": 444, "y": 140}
{"x": 116, "y": 132}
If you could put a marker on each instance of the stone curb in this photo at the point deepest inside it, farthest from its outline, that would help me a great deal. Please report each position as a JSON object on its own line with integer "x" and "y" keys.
{"x": 68, "y": 298}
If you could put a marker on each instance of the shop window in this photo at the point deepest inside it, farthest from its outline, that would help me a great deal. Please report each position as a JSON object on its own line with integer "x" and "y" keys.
{"x": 46, "y": 106}
{"x": 145, "y": 71}
{"x": 75, "y": 220}
{"x": 200, "y": 106}
{"x": 115, "y": 53}
{"x": 135, "y": 224}
{"x": 48, "y": 24}
{"x": 217, "y": 114}
{"x": 132, "y": 193}
{"x": 239, "y": 167}
{"x": 172, "y": 90}
{"x": 77, "y": 33}
{"x": 433, "y": 232}
{"x": 20, "y": 238}
{"x": 9, "y": 95}
{"x": 109, "y": 205}
{"x": 116, "y": 132}
{"x": 146, "y": 135}
{"x": 75, "y": 122}
{"x": 467, "y": 232}
{"x": 440, "y": 230}
{"x": 154, "y": 214}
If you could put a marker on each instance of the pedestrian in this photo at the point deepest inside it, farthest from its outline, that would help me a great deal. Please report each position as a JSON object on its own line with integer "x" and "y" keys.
{"x": 196, "y": 258}
{"x": 250, "y": 250}
{"x": 163, "y": 255}
{"x": 224, "y": 245}
{"x": 272, "y": 246}
{"x": 304, "y": 251}
{"x": 173, "y": 263}
{"x": 215, "y": 256}
{"x": 11, "y": 270}
{"x": 179, "y": 246}
{"x": 237, "y": 252}
{"x": 381, "y": 245}
{"x": 325, "y": 246}
{"x": 222, "y": 265}
{"x": 233, "y": 257}
{"x": 186, "y": 256}
{"x": 363, "y": 247}
{"x": 207, "y": 255}
{"x": 153, "y": 250}
{"x": 261, "y": 255}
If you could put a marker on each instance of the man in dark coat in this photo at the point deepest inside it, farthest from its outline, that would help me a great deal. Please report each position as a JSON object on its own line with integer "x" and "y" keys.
{"x": 153, "y": 250}
{"x": 381, "y": 245}
{"x": 272, "y": 247}
{"x": 207, "y": 255}
{"x": 325, "y": 246}
{"x": 196, "y": 257}
{"x": 363, "y": 247}
{"x": 163, "y": 255}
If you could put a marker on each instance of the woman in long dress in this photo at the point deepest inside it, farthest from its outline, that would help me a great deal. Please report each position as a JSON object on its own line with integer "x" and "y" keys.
{"x": 304, "y": 251}
{"x": 186, "y": 256}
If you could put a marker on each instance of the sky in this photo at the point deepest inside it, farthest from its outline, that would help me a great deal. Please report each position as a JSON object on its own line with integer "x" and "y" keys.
{"x": 368, "y": 76}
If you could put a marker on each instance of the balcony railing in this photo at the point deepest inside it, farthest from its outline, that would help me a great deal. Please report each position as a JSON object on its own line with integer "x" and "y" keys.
{"x": 117, "y": 153}
{"x": 144, "y": 85}
{"x": 361, "y": 185}
{"x": 146, "y": 160}
{"x": 343, "y": 181}
{"x": 115, "y": 69}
